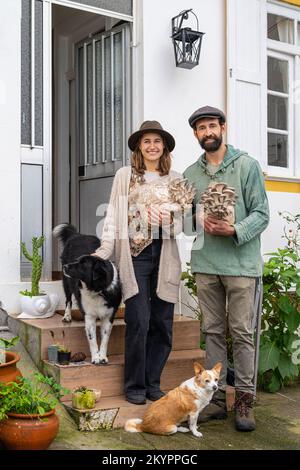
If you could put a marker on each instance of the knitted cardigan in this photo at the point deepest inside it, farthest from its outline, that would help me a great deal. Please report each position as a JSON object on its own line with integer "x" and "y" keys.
{"x": 115, "y": 241}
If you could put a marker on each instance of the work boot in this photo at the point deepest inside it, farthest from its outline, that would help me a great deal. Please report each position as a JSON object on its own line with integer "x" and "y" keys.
{"x": 244, "y": 416}
{"x": 216, "y": 409}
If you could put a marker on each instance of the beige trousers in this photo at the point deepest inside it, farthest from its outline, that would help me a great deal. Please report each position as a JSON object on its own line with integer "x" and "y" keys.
{"x": 228, "y": 300}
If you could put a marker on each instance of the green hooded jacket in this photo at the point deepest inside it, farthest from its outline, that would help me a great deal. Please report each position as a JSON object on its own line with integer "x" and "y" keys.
{"x": 238, "y": 255}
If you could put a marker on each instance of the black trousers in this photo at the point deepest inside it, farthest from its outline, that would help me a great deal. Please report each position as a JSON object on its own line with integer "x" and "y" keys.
{"x": 149, "y": 322}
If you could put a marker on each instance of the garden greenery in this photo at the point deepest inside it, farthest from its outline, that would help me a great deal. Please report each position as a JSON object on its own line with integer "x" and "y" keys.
{"x": 30, "y": 395}
{"x": 278, "y": 362}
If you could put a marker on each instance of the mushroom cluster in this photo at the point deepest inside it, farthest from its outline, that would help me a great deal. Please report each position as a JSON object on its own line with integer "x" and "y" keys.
{"x": 181, "y": 192}
{"x": 219, "y": 201}
{"x": 175, "y": 195}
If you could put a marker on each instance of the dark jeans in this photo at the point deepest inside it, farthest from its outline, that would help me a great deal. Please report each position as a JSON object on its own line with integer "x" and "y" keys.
{"x": 149, "y": 322}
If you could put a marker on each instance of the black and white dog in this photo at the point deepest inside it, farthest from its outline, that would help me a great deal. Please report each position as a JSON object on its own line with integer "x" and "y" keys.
{"x": 95, "y": 284}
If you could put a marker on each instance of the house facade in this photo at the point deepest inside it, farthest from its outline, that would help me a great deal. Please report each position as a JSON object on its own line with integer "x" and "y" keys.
{"x": 77, "y": 77}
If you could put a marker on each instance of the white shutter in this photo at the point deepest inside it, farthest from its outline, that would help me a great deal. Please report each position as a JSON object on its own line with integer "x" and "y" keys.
{"x": 247, "y": 75}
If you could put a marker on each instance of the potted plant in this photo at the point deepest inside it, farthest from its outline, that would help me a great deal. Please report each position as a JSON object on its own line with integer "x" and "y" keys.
{"x": 35, "y": 303}
{"x": 84, "y": 398}
{"x": 52, "y": 349}
{"x": 8, "y": 360}
{"x": 27, "y": 412}
{"x": 63, "y": 354}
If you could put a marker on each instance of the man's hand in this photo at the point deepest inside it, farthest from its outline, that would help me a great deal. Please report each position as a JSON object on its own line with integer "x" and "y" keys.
{"x": 218, "y": 227}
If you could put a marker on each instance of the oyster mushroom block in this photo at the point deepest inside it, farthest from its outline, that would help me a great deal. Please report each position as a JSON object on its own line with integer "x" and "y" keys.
{"x": 218, "y": 201}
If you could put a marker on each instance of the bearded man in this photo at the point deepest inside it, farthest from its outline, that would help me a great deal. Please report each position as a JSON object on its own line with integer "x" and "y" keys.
{"x": 229, "y": 262}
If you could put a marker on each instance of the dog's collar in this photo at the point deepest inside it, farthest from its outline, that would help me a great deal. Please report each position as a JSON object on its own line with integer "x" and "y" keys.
{"x": 113, "y": 283}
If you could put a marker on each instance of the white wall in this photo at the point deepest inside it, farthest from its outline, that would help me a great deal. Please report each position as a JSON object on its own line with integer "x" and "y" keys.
{"x": 10, "y": 61}
{"x": 172, "y": 94}
{"x": 279, "y": 202}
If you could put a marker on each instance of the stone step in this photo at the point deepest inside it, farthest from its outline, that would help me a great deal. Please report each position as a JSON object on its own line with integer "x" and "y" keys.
{"x": 109, "y": 378}
{"x": 113, "y": 412}
{"x": 37, "y": 334}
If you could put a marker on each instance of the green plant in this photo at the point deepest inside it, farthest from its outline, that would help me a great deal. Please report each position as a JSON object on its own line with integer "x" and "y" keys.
{"x": 37, "y": 264}
{"x": 7, "y": 344}
{"x": 83, "y": 398}
{"x": 281, "y": 314}
{"x": 190, "y": 283}
{"x": 62, "y": 348}
{"x": 35, "y": 395}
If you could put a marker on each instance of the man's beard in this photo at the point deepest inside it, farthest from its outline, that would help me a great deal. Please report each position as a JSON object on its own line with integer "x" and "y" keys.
{"x": 212, "y": 146}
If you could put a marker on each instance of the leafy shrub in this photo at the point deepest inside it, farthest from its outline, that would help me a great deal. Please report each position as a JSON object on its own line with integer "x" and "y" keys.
{"x": 281, "y": 315}
{"x": 29, "y": 396}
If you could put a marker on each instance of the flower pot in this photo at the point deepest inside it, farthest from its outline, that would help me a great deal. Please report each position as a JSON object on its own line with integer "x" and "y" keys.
{"x": 38, "y": 306}
{"x": 83, "y": 400}
{"x": 29, "y": 432}
{"x": 8, "y": 370}
{"x": 63, "y": 357}
{"x": 52, "y": 352}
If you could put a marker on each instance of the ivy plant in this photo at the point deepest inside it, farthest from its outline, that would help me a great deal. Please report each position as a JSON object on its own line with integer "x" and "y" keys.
{"x": 278, "y": 361}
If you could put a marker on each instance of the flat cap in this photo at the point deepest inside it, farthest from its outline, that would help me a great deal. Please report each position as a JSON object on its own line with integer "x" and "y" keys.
{"x": 206, "y": 112}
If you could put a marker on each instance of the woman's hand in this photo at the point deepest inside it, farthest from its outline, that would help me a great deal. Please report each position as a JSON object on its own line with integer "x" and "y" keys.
{"x": 154, "y": 215}
{"x": 159, "y": 216}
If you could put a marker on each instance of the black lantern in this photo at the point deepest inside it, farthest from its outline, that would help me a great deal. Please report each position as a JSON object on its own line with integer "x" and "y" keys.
{"x": 187, "y": 42}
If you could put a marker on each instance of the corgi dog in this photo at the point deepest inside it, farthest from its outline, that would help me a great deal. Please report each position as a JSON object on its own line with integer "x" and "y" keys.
{"x": 183, "y": 403}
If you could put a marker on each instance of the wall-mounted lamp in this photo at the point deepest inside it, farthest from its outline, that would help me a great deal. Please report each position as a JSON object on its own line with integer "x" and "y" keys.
{"x": 187, "y": 42}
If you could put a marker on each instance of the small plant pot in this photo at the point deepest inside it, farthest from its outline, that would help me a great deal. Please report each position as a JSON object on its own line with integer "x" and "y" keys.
{"x": 83, "y": 400}
{"x": 52, "y": 353}
{"x": 63, "y": 357}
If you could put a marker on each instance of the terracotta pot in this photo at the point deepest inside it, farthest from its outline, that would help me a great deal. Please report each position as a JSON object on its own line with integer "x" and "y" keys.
{"x": 29, "y": 432}
{"x": 9, "y": 371}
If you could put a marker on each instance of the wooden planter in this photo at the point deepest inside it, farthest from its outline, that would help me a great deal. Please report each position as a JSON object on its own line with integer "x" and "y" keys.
{"x": 29, "y": 432}
{"x": 9, "y": 371}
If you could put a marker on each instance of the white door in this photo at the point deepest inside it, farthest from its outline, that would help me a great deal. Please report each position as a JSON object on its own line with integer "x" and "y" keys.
{"x": 246, "y": 75}
{"x": 102, "y": 118}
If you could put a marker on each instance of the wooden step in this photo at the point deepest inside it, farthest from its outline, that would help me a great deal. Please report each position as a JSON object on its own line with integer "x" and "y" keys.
{"x": 37, "y": 334}
{"x": 113, "y": 412}
{"x": 109, "y": 378}
{"x": 77, "y": 315}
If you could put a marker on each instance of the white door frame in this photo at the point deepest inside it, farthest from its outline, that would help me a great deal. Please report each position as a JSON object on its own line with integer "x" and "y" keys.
{"x": 137, "y": 97}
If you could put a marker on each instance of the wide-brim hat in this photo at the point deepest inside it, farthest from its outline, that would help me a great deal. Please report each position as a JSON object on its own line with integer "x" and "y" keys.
{"x": 206, "y": 112}
{"x": 151, "y": 126}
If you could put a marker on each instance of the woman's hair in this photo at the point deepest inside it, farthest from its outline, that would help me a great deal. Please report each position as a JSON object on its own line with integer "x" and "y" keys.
{"x": 137, "y": 160}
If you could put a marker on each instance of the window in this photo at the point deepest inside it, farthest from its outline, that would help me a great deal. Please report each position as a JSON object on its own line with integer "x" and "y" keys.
{"x": 280, "y": 28}
{"x": 279, "y": 104}
{"x": 103, "y": 111}
{"x": 283, "y": 72}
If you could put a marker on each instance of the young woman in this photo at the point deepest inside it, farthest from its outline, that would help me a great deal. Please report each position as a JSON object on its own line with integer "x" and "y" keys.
{"x": 139, "y": 229}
